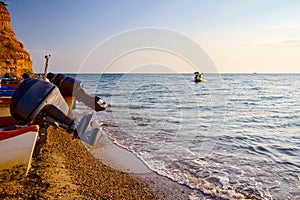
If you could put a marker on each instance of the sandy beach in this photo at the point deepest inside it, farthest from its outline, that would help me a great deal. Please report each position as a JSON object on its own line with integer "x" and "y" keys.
{"x": 65, "y": 169}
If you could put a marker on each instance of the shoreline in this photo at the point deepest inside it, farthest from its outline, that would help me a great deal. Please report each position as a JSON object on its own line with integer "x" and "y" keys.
{"x": 66, "y": 169}
{"x": 123, "y": 160}
{"x": 117, "y": 157}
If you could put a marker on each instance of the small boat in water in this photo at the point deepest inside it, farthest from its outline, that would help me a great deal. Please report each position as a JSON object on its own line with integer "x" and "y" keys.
{"x": 198, "y": 77}
{"x": 16, "y": 149}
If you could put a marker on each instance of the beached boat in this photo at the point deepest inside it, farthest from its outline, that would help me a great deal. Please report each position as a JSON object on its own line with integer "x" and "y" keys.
{"x": 39, "y": 102}
{"x": 6, "y": 90}
{"x": 5, "y": 98}
{"x": 16, "y": 149}
{"x": 9, "y": 81}
{"x": 33, "y": 102}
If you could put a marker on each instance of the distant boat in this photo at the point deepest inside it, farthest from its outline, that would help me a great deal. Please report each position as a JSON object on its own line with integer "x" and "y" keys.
{"x": 16, "y": 149}
{"x": 198, "y": 77}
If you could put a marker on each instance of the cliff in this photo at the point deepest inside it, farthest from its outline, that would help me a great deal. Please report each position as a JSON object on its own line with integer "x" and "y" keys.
{"x": 14, "y": 59}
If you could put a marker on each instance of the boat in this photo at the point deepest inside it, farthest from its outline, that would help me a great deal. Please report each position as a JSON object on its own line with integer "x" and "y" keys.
{"x": 35, "y": 105}
{"x": 16, "y": 149}
{"x": 9, "y": 81}
{"x": 6, "y": 90}
{"x": 8, "y": 85}
{"x": 5, "y": 98}
{"x": 198, "y": 77}
{"x": 39, "y": 102}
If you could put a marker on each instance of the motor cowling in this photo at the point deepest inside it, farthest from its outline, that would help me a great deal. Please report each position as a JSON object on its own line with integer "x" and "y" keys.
{"x": 36, "y": 98}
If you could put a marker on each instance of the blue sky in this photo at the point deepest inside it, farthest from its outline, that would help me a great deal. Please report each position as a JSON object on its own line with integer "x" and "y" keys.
{"x": 238, "y": 36}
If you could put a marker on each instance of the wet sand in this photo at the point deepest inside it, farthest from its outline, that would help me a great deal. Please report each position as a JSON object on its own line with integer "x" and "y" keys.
{"x": 121, "y": 159}
{"x": 65, "y": 169}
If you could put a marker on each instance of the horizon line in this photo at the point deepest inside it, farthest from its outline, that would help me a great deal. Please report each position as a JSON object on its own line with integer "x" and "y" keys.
{"x": 172, "y": 73}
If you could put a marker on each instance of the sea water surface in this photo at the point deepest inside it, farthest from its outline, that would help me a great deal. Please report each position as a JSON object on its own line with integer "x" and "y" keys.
{"x": 233, "y": 135}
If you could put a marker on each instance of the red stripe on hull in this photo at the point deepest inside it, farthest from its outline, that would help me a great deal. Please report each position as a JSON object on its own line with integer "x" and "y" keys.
{"x": 13, "y": 133}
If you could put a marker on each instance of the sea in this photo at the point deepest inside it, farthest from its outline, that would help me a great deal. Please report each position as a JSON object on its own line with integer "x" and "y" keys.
{"x": 232, "y": 136}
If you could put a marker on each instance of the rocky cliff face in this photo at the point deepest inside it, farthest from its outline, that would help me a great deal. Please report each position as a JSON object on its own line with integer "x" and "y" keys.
{"x": 13, "y": 57}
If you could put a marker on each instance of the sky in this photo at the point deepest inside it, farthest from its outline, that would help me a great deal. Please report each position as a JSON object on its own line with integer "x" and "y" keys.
{"x": 237, "y": 36}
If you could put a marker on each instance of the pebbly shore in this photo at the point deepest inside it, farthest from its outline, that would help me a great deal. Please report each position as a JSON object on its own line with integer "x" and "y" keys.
{"x": 65, "y": 169}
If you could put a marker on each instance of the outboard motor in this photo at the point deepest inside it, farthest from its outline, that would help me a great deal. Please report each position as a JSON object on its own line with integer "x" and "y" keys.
{"x": 39, "y": 102}
{"x": 69, "y": 86}
{"x": 35, "y": 99}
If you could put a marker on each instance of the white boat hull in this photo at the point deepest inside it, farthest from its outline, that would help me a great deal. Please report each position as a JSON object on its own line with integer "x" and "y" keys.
{"x": 16, "y": 149}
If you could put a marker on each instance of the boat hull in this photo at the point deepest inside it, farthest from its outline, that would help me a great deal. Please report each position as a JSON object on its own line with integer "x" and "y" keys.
{"x": 200, "y": 80}
{"x": 16, "y": 149}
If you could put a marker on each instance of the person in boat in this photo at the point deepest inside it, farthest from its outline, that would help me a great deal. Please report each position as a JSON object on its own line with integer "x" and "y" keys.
{"x": 199, "y": 77}
{"x": 69, "y": 86}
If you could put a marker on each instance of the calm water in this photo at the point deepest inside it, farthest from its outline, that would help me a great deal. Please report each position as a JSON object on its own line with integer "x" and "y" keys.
{"x": 233, "y": 135}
